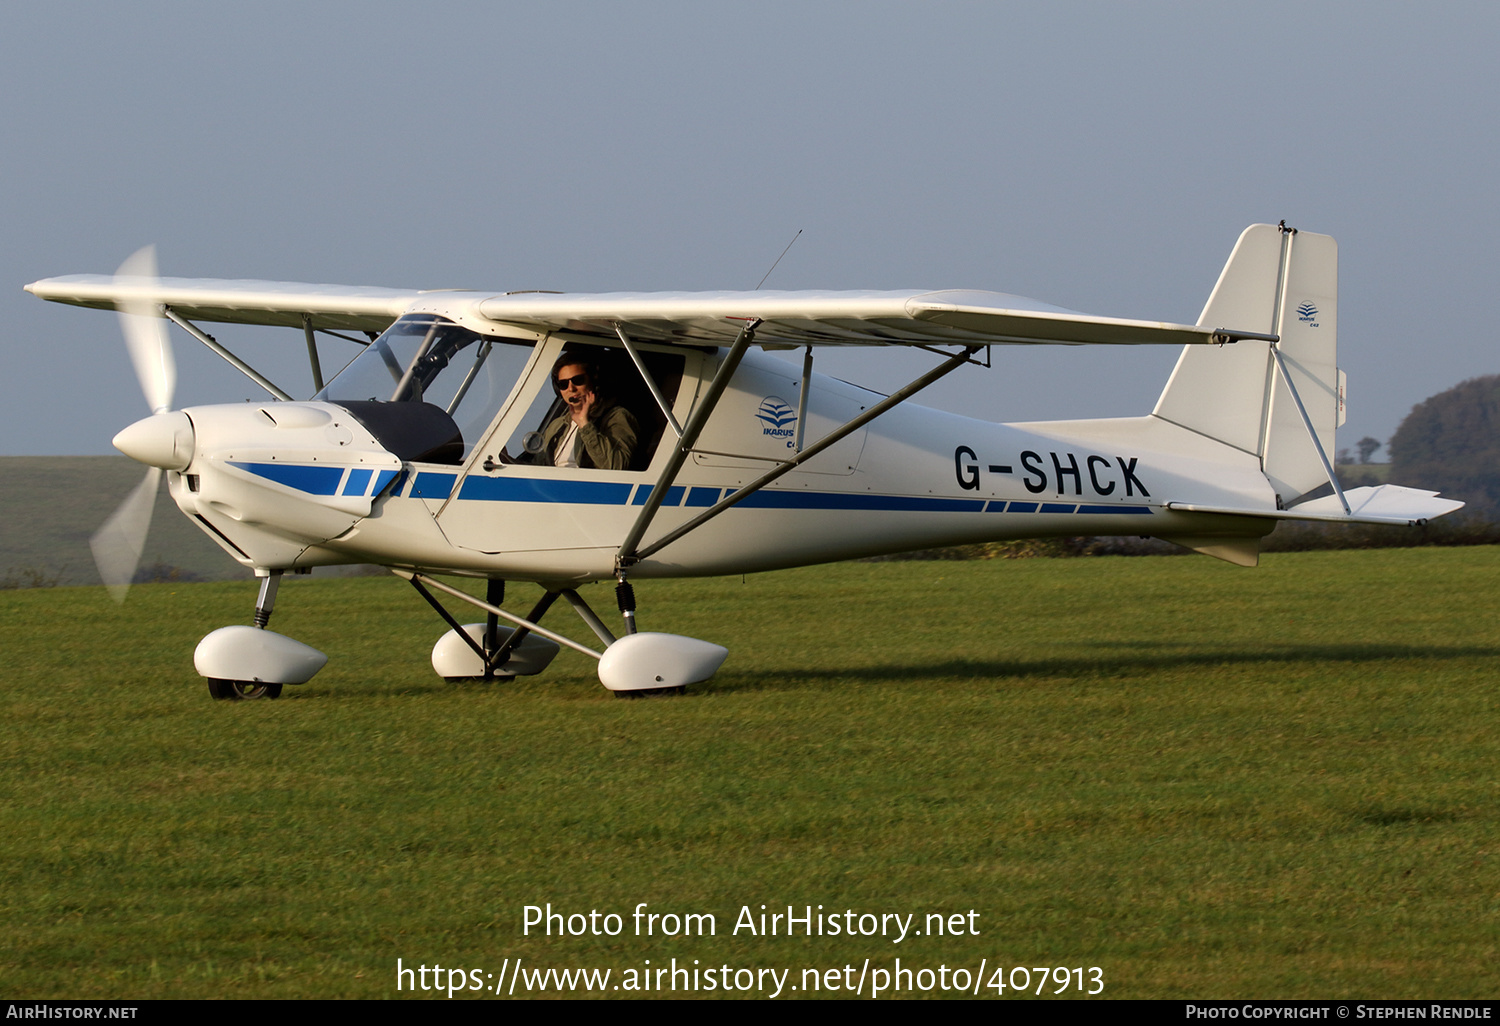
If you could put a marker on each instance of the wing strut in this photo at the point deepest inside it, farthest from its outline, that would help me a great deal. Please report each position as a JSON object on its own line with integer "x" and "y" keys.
{"x": 640, "y": 365}
{"x": 234, "y": 361}
{"x": 312, "y": 353}
{"x": 894, "y": 399}
{"x": 802, "y": 387}
{"x": 418, "y": 580}
{"x": 627, "y": 555}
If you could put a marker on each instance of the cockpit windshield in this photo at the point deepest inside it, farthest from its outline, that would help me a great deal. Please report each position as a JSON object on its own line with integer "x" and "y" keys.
{"x": 423, "y": 358}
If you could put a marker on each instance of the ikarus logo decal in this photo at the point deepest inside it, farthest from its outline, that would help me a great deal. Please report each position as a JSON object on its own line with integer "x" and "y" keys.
{"x": 1307, "y": 313}
{"x": 778, "y": 420}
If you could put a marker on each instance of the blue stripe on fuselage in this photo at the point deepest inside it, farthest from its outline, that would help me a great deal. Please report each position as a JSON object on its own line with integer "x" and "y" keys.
{"x": 313, "y": 480}
{"x": 435, "y": 485}
{"x": 358, "y": 480}
{"x": 853, "y": 500}
{"x": 532, "y": 489}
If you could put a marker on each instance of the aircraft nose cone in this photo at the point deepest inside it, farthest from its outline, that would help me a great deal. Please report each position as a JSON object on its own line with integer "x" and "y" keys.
{"x": 162, "y": 440}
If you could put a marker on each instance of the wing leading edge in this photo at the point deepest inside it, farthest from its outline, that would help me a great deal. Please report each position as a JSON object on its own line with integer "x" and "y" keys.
{"x": 912, "y": 317}
{"x": 354, "y": 307}
{"x": 863, "y": 318}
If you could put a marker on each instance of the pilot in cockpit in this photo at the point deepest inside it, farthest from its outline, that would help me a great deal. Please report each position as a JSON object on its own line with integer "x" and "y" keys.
{"x": 590, "y": 430}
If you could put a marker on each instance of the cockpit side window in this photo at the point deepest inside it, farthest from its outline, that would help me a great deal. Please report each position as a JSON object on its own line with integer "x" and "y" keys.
{"x": 600, "y": 387}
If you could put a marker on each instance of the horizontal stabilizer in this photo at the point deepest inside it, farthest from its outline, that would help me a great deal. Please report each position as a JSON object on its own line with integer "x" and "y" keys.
{"x": 1387, "y": 503}
{"x": 1382, "y": 504}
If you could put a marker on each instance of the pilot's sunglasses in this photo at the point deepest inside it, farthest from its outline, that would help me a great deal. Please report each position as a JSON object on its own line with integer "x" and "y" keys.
{"x": 578, "y": 379}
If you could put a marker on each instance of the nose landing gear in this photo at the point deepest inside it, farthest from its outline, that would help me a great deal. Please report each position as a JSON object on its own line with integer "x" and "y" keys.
{"x": 251, "y": 662}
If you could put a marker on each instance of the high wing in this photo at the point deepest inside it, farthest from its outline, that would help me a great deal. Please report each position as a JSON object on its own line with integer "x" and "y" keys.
{"x": 284, "y": 303}
{"x": 863, "y": 318}
{"x": 912, "y": 317}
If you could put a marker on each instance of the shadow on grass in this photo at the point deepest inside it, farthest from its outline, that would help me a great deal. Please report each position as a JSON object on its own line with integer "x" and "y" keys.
{"x": 1379, "y": 815}
{"x": 789, "y": 678}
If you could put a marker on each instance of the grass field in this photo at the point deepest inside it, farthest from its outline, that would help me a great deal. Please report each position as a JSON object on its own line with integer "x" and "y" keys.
{"x": 1207, "y": 781}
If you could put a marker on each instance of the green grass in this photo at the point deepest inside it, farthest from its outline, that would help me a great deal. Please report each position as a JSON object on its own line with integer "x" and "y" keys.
{"x": 1208, "y": 781}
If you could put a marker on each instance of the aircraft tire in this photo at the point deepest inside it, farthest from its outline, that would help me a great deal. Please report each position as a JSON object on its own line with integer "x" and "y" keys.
{"x": 237, "y": 690}
{"x": 652, "y": 692}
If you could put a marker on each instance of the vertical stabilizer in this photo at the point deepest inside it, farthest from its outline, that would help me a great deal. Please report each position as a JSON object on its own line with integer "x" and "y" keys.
{"x": 1277, "y": 282}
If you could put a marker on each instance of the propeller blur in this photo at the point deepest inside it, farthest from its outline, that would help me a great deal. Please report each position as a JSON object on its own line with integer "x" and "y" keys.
{"x": 118, "y": 544}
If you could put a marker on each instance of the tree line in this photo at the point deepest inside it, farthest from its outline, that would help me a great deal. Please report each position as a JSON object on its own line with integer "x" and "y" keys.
{"x": 1451, "y": 443}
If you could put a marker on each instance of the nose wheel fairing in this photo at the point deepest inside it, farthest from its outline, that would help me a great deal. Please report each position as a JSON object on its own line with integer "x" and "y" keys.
{"x": 252, "y": 662}
{"x": 242, "y": 659}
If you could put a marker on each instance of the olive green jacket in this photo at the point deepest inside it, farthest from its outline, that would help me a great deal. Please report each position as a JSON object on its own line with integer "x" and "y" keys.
{"x": 606, "y": 442}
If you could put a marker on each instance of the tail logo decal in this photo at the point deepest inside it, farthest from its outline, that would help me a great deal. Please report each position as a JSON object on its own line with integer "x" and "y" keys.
{"x": 1307, "y": 313}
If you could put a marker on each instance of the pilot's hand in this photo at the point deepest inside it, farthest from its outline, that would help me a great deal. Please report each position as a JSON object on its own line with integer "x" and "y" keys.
{"x": 581, "y": 406}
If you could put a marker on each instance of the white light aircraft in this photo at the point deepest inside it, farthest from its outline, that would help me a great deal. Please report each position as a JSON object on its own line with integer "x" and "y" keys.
{"x": 673, "y": 448}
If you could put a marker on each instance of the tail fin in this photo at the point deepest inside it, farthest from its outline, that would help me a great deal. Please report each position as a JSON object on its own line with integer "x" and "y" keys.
{"x": 1278, "y": 281}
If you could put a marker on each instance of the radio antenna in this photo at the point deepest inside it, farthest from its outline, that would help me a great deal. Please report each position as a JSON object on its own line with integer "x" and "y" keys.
{"x": 778, "y": 259}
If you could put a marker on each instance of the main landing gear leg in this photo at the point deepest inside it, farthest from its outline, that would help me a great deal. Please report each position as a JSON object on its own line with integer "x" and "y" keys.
{"x": 636, "y": 662}
{"x": 625, "y": 598}
{"x": 486, "y": 651}
{"x": 494, "y": 594}
{"x": 499, "y": 655}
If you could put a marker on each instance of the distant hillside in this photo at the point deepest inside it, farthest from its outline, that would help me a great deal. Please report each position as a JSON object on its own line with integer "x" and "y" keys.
{"x": 1451, "y": 443}
{"x": 52, "y": 505}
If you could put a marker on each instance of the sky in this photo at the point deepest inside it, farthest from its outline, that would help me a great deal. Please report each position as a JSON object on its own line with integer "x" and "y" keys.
{"x": 1100, "y": 156}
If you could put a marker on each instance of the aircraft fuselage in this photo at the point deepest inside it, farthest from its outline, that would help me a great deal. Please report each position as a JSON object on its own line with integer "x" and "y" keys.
{"x": 297, "y": 485}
